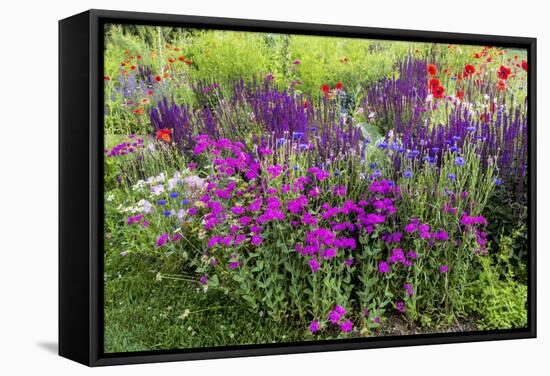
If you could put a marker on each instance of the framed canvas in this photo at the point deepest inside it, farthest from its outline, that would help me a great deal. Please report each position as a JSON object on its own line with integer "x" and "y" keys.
{"x": 234, "y": 187}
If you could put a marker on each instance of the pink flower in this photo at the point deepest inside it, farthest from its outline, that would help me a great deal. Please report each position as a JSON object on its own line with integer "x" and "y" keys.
{"x": 314, "y": 265}
{"x": 346, "y": 326}
{"x": 162, "y": 240}
{"x": 383, "y": 267}
{"x": 443, "y": 269}
{"x": 274, "y": 171}
{"x": 237, "y": 210}
{"x": 245, "y": 220}
{"x": 314, "y": 326}
{"x": 256, "y": 239}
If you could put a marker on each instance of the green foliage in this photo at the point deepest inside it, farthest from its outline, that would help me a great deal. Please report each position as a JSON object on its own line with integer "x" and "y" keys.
{"x": 500, "y": 302}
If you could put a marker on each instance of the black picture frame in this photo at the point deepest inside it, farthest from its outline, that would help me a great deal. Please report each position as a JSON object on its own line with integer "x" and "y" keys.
{"x": 81, "y": 186}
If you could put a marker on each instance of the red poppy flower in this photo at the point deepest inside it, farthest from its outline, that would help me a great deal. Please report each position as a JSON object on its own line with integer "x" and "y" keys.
{"x": 504, "y": 72}
{"x": 489, "y": 59}
{"x": 432, "y": 69}
{"x": 188, "y": 62}
{"x": 123, "y": 64}
{"x": 181, "y": 58}
{"x": 164, "y": 134}
{"x": 469, "y": 69}
{"x": 460, "y": 94}
{"x": 338, "y": 86}
{"x": 106, "y": 78}
{"x": 484, "y": 118}
{"x": 325, "y": 88}
{"x": 477, "y": 56}
{"x": 139, "y": 111}
{"x": 126, "y": 52}
{"x": 133, "y": 67}
{"x": 501, "y": 85}
{"x": 176, "y": 49}
{"x": 158, "y": 78}
{"x": 524, "y": 65}
{"x": 438, "y": 91}
{"x": 124, "y": 72}
{"x": 433, "y": 82}
{"x": 139, "y": 57}
{"x": 171, "y": 60}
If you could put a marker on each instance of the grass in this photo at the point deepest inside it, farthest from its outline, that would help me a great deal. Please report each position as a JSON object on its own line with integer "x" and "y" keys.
{"x": 144, "y": 312}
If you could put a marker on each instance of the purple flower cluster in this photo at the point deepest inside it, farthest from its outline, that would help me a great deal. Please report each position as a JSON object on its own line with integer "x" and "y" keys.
{"x": 126, "y": 147}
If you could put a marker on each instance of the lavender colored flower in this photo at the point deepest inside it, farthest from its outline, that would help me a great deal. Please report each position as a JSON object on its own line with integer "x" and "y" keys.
{"x": 400, "y": 306}
{"x": 459, "y": 161}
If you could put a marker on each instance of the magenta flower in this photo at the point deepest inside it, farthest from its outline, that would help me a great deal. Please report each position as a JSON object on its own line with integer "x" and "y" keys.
{"x": 314, "y": 265}
{"x": 314, "y": 326}
{"x": 203, "y": 279}
{"x": 162, "y": 240}
{"x": 274, "y": 171}
{"x": 336, "y": 314}
{"x": 346, "y": 326}
{"x": 256, "y": 239}
{"x": 401, "y": 307}
{"x": 443, "y": 269}
{"x": 348, "y": 262}
{"x": 237, "y": 210}
{"x": 383, "y": 267}
{"x": 441, "y": 235}
{"x": 245, "y": 220}
{"x": 408, "y": 288}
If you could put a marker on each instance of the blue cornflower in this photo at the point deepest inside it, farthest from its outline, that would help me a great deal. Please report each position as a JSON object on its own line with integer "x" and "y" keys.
{"x": 372, "y": 165}
{"x": 167, "y": 213}
{"x": 471, "y": 129}
{"x": 376, "y": 174}
{"x": 452, "y": 176}
{"x": 297, "y": 135}
{"x": 453, "y": 148}
{"x": 498, "y": 181}
{"x": 407, "y": 174}
{"x": 174, "y": 194}
{"x": 185, "y": 201}
{"x": 161, "y": 202}
{"x": 382, "y": 145}
{"x": 459, "y": 161}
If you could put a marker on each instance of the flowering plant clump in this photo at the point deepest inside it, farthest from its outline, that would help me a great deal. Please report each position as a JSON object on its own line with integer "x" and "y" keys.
{"x": 352, "y": 201}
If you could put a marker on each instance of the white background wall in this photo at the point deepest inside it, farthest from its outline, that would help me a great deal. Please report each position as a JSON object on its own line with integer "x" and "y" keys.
{"x": 28, "y": 185}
